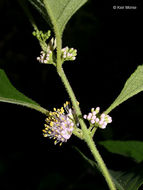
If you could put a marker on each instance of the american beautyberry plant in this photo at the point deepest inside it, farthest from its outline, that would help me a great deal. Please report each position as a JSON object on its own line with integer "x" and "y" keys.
{"x": 62, "y": 123}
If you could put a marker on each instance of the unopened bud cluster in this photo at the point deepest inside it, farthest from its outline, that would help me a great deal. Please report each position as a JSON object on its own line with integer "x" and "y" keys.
{"x": 41, "y": 36}
{"x": 69, "y": 54}
{"x": 46, "y": 57}
{"x": 96, "y": 119}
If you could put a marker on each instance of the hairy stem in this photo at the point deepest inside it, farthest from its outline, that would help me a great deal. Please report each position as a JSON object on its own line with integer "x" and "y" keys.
{"x": 86, "y": 134}
{"x": 57, "y": 34}
{"x": 100, "y": 162}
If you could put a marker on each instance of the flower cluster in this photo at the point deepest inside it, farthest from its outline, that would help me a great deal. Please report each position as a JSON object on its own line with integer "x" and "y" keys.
{"x": 96, "y": 119}
{"x": 69, "y": 54}
{"x": 60, "y": 124}
{"x": 46, "y": 57}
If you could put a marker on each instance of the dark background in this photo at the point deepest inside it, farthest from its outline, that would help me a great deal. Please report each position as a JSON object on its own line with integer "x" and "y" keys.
{"x": 109, "y": 44}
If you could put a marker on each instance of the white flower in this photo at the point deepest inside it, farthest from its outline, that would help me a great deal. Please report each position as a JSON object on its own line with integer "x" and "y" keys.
{"x": 69, "y": 54}
{"x": 96, "y": 119}
{"x": 46, "y": 57}
{"x": 60, "y": 124}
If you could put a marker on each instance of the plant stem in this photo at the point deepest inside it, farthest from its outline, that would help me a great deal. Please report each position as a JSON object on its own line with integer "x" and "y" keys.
{"x": 57, "y": 34}
{"x": 86, "y": 135}
{"x": 70, "y": 91}
{"x": 100, "y": 162}
{"x": 92, "y": 132}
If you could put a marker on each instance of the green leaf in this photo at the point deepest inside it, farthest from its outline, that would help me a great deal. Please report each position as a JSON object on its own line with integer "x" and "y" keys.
{"x": 9, "y": 94}
{"x": 132, "y": 149}
{"x": 123, "y": 180}
{"x": 132, "y": 86}
{"x": 59, "y": 11}
{"x": 129, "y": 180}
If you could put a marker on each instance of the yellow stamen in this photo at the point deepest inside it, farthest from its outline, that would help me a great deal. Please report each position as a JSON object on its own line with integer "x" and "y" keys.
{"x": 67, "y": 103}
{"x": 47, "y": 120}
{"x": 62, "y": 110}
{"x": 51, "y": 124}
{"x": 45, "y": 125}
{"x": 51, "y": 113}
{"x": 54, "y": 109}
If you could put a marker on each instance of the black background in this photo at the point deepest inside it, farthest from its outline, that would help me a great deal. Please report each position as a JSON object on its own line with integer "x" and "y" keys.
{"x": 109, "y": 44}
